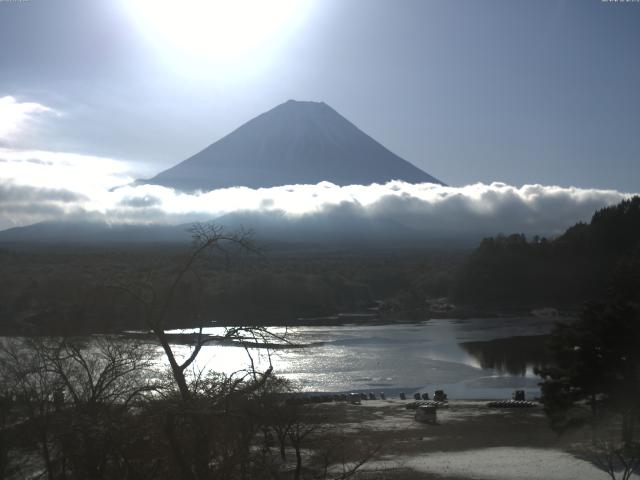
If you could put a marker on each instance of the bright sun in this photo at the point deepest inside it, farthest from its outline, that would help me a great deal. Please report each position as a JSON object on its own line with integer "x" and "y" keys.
{"x": 215, "y": 30}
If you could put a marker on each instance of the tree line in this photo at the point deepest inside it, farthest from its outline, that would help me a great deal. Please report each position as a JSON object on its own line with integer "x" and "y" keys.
{"x": 582, "y": 264}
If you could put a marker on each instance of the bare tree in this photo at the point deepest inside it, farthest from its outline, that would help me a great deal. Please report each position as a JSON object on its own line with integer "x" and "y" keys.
{"x": 157, "y": 301}
{"x": 70, "y": 397}
{"x": 303, "y": 426}
{"x": 617, "y": 458}
{"x": 101, "y": 372}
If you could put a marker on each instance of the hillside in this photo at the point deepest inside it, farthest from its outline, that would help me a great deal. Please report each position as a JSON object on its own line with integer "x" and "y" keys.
{"x": 586, "y": 262}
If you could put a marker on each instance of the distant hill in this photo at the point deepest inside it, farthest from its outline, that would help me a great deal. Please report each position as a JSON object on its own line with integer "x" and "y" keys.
{"x": 294, "y": 143}
{"x": 93, "y": 233}
{"x": 334, "y": 230}
{"x": 271, "y": 230}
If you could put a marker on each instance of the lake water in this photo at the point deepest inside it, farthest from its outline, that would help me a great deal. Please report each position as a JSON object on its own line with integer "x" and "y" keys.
{"x": 469, "y": 359}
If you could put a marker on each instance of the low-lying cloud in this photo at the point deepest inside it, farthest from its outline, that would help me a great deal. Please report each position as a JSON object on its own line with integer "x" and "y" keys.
{"x": 38, "y": 186}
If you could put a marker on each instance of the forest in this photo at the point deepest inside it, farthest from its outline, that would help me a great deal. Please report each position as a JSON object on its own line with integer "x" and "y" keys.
{"x": 584, "y": 263}
{"x": 58, "y": 290}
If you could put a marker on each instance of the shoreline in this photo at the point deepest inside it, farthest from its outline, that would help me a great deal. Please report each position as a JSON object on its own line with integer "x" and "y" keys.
{"x": 469, "y": 440}
{"x": 375, "y": 316}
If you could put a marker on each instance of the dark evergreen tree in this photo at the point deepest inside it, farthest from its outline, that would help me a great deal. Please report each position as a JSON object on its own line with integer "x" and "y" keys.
{"x": 595, "y": 375}
{"x": 574, "y": 267}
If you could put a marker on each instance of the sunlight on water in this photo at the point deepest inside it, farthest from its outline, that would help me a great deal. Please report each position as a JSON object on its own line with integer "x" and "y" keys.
{"x": 457, "y": 355}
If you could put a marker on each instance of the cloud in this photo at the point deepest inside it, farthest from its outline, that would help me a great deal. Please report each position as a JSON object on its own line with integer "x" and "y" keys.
{"x": 82, "y": 173}
{"x": 40, "y": 185}
{"x": 37, "y": 186}
{"x": 16, "y": 116}
{"x": 26, "y": 194}
{"x": 140, "y": 202}
{"x": 24, "y": 204}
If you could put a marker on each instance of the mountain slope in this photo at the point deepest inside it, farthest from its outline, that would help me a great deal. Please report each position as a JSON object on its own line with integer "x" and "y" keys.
{"x": 294, "y": 143}
{"x": 94, "y": 233}
{"x": 333, "y": 231}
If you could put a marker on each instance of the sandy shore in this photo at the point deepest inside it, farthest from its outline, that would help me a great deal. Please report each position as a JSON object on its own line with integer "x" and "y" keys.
{"x": 469, "y": 440}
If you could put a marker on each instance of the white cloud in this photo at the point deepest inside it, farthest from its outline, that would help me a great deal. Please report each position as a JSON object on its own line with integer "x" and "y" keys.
{"x": 49, "y": 186}
{"x": 82, "y": 173}
{"x": 39, "y": 185}
{"x": 16, "y": 116}
{"x": 419, "y": 206}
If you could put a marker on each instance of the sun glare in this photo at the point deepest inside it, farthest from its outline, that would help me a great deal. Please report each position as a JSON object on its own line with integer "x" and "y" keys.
{"x": 216, "y": 30}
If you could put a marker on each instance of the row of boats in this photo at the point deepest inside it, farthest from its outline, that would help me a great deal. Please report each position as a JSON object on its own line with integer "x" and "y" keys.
{"x": 421, "y": 400}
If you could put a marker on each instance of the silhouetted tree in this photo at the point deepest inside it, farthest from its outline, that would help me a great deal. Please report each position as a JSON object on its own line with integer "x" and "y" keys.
{"x": 193, "y": 420}
{"x": 72, "y": 399}
{"x": 595, "y": 380}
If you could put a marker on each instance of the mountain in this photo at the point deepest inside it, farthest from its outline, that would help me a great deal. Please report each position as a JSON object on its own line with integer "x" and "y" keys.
{"x": 94, "y": 233}
{"x": 294, "y": 143}
{"x": 335, "y": 230}
{"x": 332, "y": 230}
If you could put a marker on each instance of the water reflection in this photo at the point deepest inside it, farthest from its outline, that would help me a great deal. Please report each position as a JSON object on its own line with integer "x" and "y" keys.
{"x": 479, "y": 358}
{"x": 514, "y": 356}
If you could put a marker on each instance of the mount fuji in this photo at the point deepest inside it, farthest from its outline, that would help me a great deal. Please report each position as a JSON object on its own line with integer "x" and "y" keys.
{"x": 293, "y": 143}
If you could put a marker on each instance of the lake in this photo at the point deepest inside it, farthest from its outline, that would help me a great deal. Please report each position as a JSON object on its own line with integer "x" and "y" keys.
{"x": 469, "y": 359}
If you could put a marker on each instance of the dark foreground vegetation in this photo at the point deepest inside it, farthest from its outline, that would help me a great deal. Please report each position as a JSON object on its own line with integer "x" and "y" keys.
{"x": 57, "y": 291}
{"x": 100, "y": 407}
{"x": 593, "y": 383}
{"x": 72, "y": 410}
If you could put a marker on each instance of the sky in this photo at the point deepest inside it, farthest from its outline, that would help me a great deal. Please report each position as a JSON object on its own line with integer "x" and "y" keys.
{"x": 473, "y": 92}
